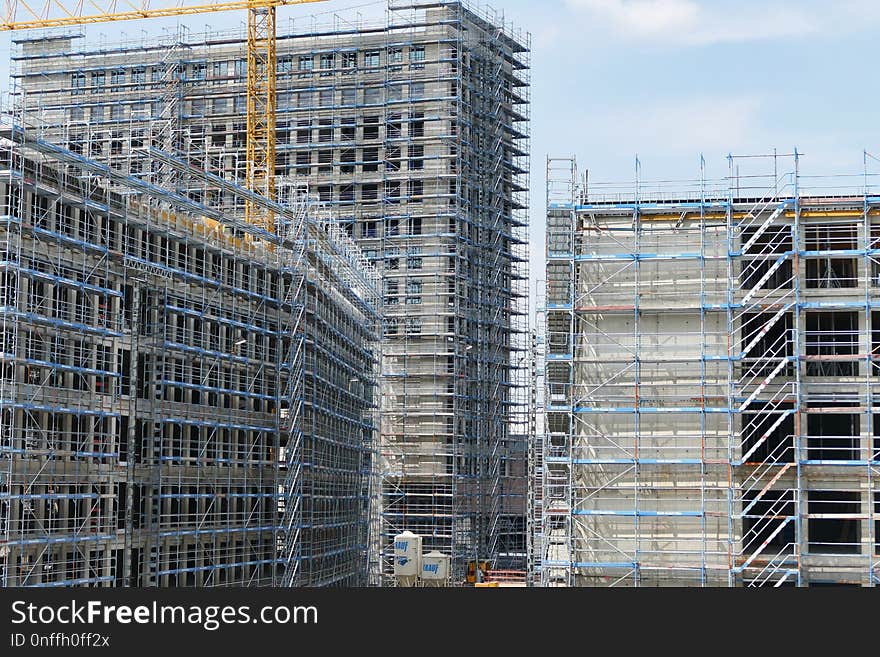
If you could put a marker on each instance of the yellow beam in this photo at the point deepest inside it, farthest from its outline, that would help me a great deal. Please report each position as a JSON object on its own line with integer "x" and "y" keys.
{"x": 18, "y": 15}
{"x": 260, "y": 159}
{"x": 834, "y": 213}
{"x": 789, "y": 214}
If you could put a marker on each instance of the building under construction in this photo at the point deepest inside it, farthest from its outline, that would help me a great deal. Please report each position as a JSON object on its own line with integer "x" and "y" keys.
{"x": 415, "y": 132}
{"x": 711, "y": 364}
{"x": 186, "y": 399}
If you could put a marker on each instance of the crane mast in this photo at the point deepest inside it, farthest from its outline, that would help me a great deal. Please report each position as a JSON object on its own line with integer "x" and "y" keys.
{"x": 261, "y": 96}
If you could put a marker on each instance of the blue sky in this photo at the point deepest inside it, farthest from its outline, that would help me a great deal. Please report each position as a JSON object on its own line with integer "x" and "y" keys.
{"x": 670, "y": 80}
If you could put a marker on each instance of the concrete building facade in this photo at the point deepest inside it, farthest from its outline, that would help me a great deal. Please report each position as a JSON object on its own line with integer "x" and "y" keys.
{"x": 711, "y": 370}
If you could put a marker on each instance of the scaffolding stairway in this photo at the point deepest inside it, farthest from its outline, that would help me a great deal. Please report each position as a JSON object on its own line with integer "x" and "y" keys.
{"x": 558, "y": 558}
{"x": 293, "y": 392}
{"x": 496, "y": 234}
{"x": 167, "y": 138}
{"x": 765, "y": 390}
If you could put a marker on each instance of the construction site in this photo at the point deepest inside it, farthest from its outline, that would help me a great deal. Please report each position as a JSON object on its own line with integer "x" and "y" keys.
{"x": 266, "y": 322}
{"x": 708, "y": 361}
{"x": 222, "y": 374}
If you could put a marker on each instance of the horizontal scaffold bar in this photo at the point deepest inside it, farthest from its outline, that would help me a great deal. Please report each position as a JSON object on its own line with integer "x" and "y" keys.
{"x": 636, "y": 513}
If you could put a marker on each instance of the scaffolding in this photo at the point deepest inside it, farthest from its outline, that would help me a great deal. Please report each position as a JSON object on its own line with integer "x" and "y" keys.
{"x": 710, "y": 378}
{"x": 413, "y": 133}
{"x": 537, "y": 431}
{"x": 186, "y": 399}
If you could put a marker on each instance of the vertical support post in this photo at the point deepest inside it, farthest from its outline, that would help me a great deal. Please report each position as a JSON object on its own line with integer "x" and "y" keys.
{"x": 869, "y": 367}
{"x": 131, "y": 435}
{"x": 798, "y": 350}
{"x": 703, "y": 369}
{"x": 260, "y": 151}
{"x": 731, "y": 396}
{"x": 637, "y": 330}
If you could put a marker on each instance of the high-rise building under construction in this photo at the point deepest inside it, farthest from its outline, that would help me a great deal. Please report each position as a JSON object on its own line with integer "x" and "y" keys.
{"x": 186, "y": 399}
{"x": 414, "y": 134}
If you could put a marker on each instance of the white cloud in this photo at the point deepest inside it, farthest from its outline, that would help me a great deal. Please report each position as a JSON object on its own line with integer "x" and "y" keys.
{"x": 643, "y": 17}
{"x": 683, "y": 126}
{"x": 700, "y": 22}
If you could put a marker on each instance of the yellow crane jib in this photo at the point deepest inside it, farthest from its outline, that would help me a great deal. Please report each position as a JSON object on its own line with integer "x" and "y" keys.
{"x": 261, "y": 65}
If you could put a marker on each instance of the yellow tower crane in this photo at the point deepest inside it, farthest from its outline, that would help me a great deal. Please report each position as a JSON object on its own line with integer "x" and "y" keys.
{"x": 261, "y": 64}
